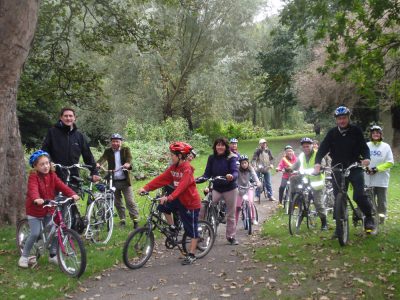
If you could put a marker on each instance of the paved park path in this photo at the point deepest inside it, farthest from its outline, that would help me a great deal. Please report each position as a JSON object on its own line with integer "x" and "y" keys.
{"x": 226, "y": 272}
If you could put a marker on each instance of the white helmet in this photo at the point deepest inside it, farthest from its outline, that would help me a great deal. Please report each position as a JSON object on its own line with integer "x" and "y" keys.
{"x": 262, "y": 141}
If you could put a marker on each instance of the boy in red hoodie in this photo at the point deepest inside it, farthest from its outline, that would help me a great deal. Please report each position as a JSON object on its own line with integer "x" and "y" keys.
{"x": 185, "y": 199}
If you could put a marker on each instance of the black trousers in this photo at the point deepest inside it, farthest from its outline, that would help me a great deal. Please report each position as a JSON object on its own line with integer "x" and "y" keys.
{"x": 356, "y": 178}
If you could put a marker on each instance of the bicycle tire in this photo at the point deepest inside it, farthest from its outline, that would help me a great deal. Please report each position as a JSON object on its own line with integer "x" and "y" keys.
{"x": 205, "y": 242}
{"x": 255, "y": 213}
{"x": 72, "y": 244}
{"x": 374, "y": 208}
{"x": 100, "y": 222}
{"x": 295, "y": 214}
{"x": 245, "y": 218}
{"x": 210, "y": 215}
{"x": 22, "y": 233}
{"x": 342, "y": 219}
{"x": 249, "y": 221}
{"x": 312, "y": 216}
{"x": 136, "y": 255}
{"x": 286, "y": 200}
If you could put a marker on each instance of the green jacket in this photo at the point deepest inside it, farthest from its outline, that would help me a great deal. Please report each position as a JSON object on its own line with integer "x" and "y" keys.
{"x": 126, "y": 157}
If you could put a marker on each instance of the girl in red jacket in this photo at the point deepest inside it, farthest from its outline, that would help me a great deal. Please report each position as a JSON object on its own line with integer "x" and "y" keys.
{"x": 185, "y": 199}
{"x": 285, "y": 166}
{"x": 43, "y": 183}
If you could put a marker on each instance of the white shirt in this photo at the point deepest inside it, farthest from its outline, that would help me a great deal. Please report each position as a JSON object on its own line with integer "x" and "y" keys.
{"x": 380, "y": 153}
{"x": 119, "y": 174}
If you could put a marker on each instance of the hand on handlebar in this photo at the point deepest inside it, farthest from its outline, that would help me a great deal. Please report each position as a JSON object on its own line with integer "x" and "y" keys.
{"x": 365, "y": 162}
{"x": 163, "y": 199}
{"x": 317, "y": 168}
{"x": 75, "y": 197}
{"x": 142, "y": 191}
{"x": 229, "y": 177}
{"x": 96, "y": 178}
{"x": 38, "y": 201}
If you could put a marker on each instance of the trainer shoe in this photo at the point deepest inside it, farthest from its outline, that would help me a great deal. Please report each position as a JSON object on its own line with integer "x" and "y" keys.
{"x": 369, "y": 224}
{"x": 189, "y": 259}
{"x": 135, "y": 224}
{"x": 271, "y": 198}
{"x": 23, "y": 262}
{"x": 255, "y": 222}
{"x": 122, "y": 223}
{"x": 233, "y": 241}
{"x": 53, "y": 260}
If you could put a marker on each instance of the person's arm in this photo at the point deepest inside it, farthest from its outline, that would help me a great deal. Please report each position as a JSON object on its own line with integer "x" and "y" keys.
{"x": 184, "y": 183}
{"x": 33, "y": 188}
{"x": 389, "y": 161}
{"x": 233, "y": 167}
{"x": 102, "y": 158}
{"x": 323, "y": 148}
{"x": 271, "y": 158}
{"x": 365, "y": 152}
{"x": 88, "y": 156}
{"x": 160, "y": 181}
{"x": 281, "y": 166}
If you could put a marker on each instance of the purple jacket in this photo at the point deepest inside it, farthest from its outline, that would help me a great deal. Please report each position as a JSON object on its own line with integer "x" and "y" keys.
{"x": 221, "y": 166}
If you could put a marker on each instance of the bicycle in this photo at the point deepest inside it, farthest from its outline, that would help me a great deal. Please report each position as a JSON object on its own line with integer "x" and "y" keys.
{"x": 139, "y": 245}
{"x": 328, "y": 197}
{"x": 248, "y": 210}
{"x": 97, "y": 223}
{"x": 302, "y": 205}
{"x": 214, "y": 213}
{"x": 286, "y": 198}
{"x": 342, "y": 201}
{"x": 261, "y": 190}
{"x": 71, "y": 253}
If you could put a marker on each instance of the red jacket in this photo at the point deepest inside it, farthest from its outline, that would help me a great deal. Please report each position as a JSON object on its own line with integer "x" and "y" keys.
{"x": 44, "y": 186}
{"x": 183, "y": 180}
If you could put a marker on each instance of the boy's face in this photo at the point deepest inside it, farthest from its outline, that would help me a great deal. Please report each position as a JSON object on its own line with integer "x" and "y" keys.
{"x": 42, "y": 165}
{"x": 244, "y": 164}
{"x": 307, "y": 147}
{"x": 174, "y": 158}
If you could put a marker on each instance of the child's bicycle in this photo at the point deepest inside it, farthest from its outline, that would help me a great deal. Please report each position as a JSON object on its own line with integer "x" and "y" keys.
{"x": 248, "y": 210}
{"x": 71, "y": 253}
{"x": 139, "y": 245}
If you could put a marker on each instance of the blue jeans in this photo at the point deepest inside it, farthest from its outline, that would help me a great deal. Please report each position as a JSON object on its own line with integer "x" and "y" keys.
{"x": 267, "y": 184}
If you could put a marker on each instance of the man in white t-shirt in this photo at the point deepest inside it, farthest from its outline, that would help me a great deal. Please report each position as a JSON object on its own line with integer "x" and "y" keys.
{"x": 378, "y": 173}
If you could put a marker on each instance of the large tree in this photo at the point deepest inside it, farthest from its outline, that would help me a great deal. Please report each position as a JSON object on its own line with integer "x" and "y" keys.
{"x": 18, "y": 20}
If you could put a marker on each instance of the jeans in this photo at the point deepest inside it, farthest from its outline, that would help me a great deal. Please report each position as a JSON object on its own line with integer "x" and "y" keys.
{"x": 35, "y": 227}
{"x": 267, "y": 184}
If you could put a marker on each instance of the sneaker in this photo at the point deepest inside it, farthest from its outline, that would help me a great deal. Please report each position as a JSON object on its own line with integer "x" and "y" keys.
{"x": 382, "y": 218}
{"x": 135, "y": 224}
{"x": 189, "y": 259}
{"x": 369, "y": 224}
{"x": 23, "y": 262}
{"x": 280, "y": 205}
{"x": 233, "y": 241}
{"x": 173, "y": 229}
{"x": 271, "y": 198}
{"x": 255, "y": 222}
{"x": 53, "y": 260}
{"x": 324, "y": 227}
{"x": 122, "y": 223}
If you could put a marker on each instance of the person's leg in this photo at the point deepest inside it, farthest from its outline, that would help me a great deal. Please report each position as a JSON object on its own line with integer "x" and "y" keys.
{"x": 250, "y": 194}
{"x": 189, "y": 220}
{"x": 282, "y": 189}
{"x": 118, "y": 202}
{"x": 356, "y": 178}
{"x": 239, "y": 201}
{"x": 319, "y": 206}
{"x": 130, "y": 203}
{"x": 35, "y": 227}
{"x": 381, "y": 194}
{"x": 268, "y": 186}
{"x": 230, "y": 200}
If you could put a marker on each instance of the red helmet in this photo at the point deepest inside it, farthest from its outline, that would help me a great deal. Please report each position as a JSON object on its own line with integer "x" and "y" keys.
{"x": 180, "y": 147}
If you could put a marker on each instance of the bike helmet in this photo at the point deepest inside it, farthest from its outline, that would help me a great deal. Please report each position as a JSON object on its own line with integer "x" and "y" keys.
{"x": 35, "y": 155}
{"x": 262, "y": 141}
{"x": 306, "y": 140}
{"x": 116, "y": 136}
{"x": 180, "y": 147}
{"x": 193, "y": 152}
{"x": 233, "y": 140}
{"x": 375, "y": 128}
{"x": 342, "y": 111}
{"x": 243, "y": 157}
{"x": 288, "y": 147}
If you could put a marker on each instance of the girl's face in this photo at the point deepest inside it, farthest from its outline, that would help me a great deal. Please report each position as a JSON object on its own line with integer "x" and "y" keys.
{"x": 220, "y": 148}
{"x": 42, "y": 165}
{"x": 376, "y": 135}
{"x": 244, "y": 164}
{"x": 174, "y": 158}
{"x": 289, "y": 153}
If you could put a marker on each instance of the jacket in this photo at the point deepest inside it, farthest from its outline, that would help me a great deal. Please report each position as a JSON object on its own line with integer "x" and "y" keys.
{"x": 183, "y": 180}
{"x": 126, "y": 157}
{"x": 262, "y": 160}
{"x": 65, "y": 147}
{"x": 343, "y": 147}
{"x": 221, "y": 166}
{"x": 286, "y": 163}
{"x": 46, "y": 187}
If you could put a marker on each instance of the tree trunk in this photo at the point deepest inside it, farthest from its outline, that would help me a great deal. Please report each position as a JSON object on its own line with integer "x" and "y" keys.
{"x": 18, "y": 20}
{"x": 395, "y": 111}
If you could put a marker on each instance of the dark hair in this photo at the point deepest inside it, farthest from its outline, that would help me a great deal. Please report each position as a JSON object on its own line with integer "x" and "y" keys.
{"x": 64, "y": 109}
{"x": 224, "y": 141}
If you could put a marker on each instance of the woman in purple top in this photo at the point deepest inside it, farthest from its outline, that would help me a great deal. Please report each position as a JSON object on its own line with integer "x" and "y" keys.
{"x": 223, "y": 163}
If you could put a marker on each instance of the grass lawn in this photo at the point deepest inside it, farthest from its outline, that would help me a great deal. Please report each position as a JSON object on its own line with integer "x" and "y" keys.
{"x": 311, "y": 265}
{"x": 47, "y": 282}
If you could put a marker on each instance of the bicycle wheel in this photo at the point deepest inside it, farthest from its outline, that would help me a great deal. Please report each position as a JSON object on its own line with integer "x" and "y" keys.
{"x": 295, "y": 214}
{"x": 138, "y": 248}
{"x": 255, "y": 213}
{"x": 71, "y": 253}
{"x": 286, "y": 199}
{"x": 312, "y": 215}
{"x": 22, "y": 234}
{"x": 100, "y": 222}
{"x": 342, "y": 219}
{"x": 210, "y": 215}
{"x": 205, "y": 241}
{"x": 249, "y": 220}
{"x": 67, "y": 215}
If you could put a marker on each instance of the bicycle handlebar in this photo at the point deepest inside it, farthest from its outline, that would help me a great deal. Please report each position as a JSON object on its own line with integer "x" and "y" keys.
{"x": 79, "y": 166}
{"x": 53, "y": 203}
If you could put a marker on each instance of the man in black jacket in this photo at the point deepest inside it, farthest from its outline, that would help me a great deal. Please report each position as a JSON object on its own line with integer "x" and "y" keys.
{"x": 346, "y": 145}
{"x": 65, "y": 144}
